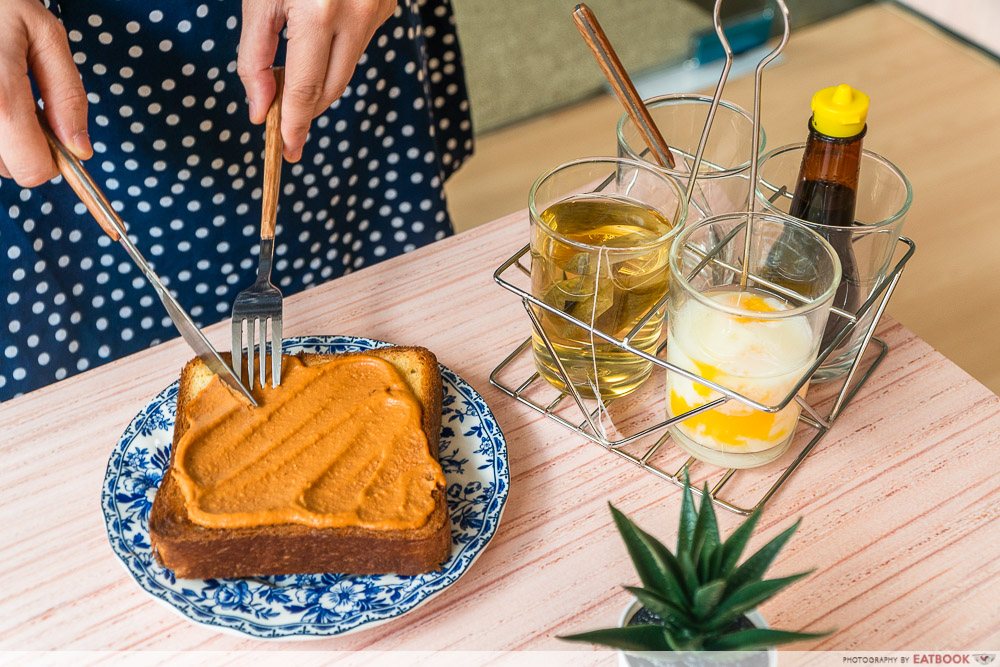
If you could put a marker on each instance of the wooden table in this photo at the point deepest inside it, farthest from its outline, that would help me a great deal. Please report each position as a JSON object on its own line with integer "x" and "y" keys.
{"x": 899, "y": 502}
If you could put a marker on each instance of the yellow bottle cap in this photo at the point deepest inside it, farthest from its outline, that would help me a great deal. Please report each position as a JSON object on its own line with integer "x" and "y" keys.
{"x": 839, "y": 111}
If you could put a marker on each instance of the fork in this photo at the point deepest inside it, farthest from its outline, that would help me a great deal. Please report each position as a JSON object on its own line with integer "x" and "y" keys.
{"x": 261, "y": 301}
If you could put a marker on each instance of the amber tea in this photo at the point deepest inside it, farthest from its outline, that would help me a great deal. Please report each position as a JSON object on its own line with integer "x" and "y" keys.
{"x": 603, "y": 260}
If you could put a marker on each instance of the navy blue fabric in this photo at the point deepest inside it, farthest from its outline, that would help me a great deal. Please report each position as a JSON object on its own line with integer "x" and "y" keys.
{"x": 178, "y": 157}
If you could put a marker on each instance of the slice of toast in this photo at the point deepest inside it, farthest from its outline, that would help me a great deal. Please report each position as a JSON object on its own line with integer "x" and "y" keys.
{"x": 194, "y": 551}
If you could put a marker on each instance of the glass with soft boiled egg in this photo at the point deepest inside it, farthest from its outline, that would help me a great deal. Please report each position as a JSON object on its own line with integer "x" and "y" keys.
{"x": 745, "y": 349}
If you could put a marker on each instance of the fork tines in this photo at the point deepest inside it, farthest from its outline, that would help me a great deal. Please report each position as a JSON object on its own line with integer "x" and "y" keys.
{"x": 257, "y": 339}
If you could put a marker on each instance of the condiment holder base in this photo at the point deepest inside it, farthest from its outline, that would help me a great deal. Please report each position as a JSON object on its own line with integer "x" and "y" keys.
{"x": 630, "y": 427}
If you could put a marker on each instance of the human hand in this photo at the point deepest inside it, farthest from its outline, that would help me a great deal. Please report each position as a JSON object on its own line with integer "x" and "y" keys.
{"x": 34, "y": 41}
{"x": 326, "y": 38}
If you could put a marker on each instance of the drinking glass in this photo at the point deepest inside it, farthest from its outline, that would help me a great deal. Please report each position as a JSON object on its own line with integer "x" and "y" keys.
{"x": 600, "y": 236}
{"x": 865, "y": 250}
{"x": 723, "y": 179}
{"x": 758, "y": 341}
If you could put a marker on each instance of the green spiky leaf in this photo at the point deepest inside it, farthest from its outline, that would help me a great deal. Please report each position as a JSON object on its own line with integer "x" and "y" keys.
{"x": 662, "y": 572}
{"x": 685, "y": 530}
{"x": 683, "y": 642}
{"x": 708, "y": 556}
{"x": 716, "y": 565}
{"x": 758, "y": 638}
{"x": 737, "y": 542}
{"x": 754, "y": 567}
{"x": 659, "y": 605}
{"x": 646, "y": 561}
{"x": 689, "y": 575}
{"x": 657, "y": 568}
{"x": 748, "y": 597}
{"x": 675, "y": 590}
{"x": 706, "y": 529}
{"x": 707, "y": 597}
{"x": 629, "y": 638}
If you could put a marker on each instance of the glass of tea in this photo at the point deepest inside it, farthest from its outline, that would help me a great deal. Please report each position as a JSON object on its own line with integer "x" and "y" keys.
{"x": 757, "y": 340}
{"x": 724, "y": 176}
{"x": 865, "y": 242}
{"x": 601, "y": 230}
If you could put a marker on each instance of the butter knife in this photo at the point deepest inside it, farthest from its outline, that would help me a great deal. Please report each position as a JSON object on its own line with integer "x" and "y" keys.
{"x": 93, "y": 198}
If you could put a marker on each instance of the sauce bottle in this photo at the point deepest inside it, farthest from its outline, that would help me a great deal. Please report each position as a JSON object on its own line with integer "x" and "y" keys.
{"x": 826, "y": 189}
{"x": 827, "y": 186}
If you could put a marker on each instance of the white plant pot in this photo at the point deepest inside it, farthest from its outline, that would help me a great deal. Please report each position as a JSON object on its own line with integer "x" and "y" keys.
{"x": 660, "y": 658}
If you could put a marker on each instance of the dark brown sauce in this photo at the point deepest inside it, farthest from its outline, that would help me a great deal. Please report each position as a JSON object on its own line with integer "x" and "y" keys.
{"x": 824, "y": 202}
{"x": 830, "y": 203}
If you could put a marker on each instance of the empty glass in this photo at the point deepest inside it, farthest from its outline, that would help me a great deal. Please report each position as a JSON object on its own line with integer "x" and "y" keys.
{"x": 723, "y": 180}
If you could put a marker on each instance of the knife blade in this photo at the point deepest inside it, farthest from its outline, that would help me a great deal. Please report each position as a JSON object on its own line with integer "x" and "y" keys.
{"x": 97, "y": 203}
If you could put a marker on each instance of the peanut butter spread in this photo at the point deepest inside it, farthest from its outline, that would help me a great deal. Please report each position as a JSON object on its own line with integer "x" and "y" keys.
{"x": 337, "y": 444}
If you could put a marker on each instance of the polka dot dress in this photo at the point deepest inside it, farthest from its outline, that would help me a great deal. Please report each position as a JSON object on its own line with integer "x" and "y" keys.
{"x": 175, "y": 152}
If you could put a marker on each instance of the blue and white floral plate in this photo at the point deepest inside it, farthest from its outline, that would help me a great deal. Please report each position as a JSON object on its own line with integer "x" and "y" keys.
{"x": 473, "y": 455}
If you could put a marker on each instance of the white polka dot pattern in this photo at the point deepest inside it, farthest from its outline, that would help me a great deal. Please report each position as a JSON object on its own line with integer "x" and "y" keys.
{"x": 178, "y": 158}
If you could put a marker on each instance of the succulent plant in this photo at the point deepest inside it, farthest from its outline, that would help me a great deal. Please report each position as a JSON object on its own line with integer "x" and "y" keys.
{"x": 699, "y": 593}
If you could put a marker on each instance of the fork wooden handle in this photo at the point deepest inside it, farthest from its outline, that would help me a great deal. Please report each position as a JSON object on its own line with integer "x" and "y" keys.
{"x": 273, "y": 147}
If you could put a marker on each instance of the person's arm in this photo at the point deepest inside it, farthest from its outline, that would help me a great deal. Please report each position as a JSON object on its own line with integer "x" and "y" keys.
{"x": 35, "y": 42}
{"x": 326, "y": 38}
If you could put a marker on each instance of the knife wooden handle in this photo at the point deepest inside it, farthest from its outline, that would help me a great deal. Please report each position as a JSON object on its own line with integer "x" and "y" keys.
{"x": 606, "y": 56}
{"x": 273, "y": 147}
{"x": 83, "y": 185}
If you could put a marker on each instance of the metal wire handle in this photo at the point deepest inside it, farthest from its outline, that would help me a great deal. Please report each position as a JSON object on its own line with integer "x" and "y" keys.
{"x": 755, "y": 140}
{"x": 755, "y": 146}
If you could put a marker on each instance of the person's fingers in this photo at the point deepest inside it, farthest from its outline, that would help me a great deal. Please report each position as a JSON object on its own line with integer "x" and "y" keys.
{"x": 262, "y": 24}
{"x": 344, "y": 56}
{"x": 355, "y": 29}
{"x": 23, "y": 147}
{"x": 58, "y": 80}
{"x": 310, "y": 33}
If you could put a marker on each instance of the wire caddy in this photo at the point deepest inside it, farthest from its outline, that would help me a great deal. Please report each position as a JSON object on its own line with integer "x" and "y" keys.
{"x": 648, "y": 442}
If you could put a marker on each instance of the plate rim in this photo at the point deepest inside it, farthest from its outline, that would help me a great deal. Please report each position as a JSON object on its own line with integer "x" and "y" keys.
{"x": 305, "y": 631}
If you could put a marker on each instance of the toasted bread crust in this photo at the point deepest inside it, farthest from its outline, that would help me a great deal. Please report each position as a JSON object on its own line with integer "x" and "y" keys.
{"x": 193, "y": 551}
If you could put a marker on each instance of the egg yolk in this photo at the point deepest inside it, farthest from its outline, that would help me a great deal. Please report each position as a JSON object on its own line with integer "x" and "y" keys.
{"x": 754, "y": 302}
{"x": 726, "y": 428}
{"x": 729, "y": 429}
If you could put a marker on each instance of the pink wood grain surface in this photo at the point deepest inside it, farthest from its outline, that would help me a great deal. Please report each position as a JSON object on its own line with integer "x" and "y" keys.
{"x": 900, "y": 502}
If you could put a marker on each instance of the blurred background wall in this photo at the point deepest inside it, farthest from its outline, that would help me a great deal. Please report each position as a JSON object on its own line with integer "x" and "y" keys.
{"x": 525, "y": 57}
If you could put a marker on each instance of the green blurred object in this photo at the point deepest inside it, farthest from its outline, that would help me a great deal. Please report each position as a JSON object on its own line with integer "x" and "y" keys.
{"x": 525, "y": 57}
